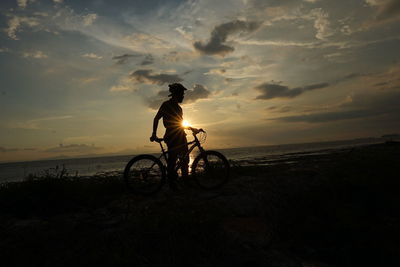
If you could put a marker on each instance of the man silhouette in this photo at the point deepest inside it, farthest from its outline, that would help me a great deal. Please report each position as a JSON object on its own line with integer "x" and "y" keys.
{"x": 175, "y": 136}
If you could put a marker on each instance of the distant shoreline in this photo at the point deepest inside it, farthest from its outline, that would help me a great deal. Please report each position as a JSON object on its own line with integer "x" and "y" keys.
{"x": 256, "y": 155}
{"x": 365, "y": 140}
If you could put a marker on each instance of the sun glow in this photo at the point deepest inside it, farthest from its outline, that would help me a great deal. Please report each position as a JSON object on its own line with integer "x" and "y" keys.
{"x": 185, "y": 123}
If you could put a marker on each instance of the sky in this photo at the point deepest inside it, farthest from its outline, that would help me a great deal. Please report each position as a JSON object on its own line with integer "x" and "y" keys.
{"x": 84, "y": 78}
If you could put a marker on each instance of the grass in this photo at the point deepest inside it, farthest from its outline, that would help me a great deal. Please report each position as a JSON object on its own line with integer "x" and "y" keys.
{"x": 339, "y": 209}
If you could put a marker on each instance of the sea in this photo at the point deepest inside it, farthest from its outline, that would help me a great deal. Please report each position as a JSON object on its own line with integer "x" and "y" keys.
{"x": 84, "y": 167}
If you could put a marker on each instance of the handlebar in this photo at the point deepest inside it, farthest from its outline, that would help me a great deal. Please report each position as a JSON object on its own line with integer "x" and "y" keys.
{"x": 195, "y": 131}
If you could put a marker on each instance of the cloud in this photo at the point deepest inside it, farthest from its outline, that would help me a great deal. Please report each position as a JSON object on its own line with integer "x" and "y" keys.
{"x": 386, "y": 8}
{"x": 279, "y": 109}
{"x": 196, "y": 93}
{"x": 156, "y": 101}
{"x": 328, "y": 116}
{"x": 280, "y": 43}
{"x": 147, "y": 76}
{"x": 124, "y": 84}
{"x": 261, "y": 4}
{"x": 216, "y": 45}
{"x": 386, "y": 11}
{"x": 359, "y": 106}
{"x": 34, "y": 123}
{"x": 273, "y": 90}
{"x": 349, "y": 77}
{"x": 122, "y": 59}
{"x": 186, "y": 32}
{"x": 22, "y": 3}
{"x": 145, "y": 42}
{"x": 36, "y": 54}
{"x": 175, "y": 56}
{"x": 73, "y": 148}
{"x": 89, "y": 19}
{"x": 121, "y": 88}
{"x": 86, "y": 138}
{"x": 92, "y": 56}
{"x": 321, "y": 24}
{"x": 16, "y": 22}
{"x": 148, "y": 59}
{"x": 5, "y": 150}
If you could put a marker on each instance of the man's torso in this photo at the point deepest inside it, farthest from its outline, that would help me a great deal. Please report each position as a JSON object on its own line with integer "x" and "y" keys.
{"x": 172, "y": 119}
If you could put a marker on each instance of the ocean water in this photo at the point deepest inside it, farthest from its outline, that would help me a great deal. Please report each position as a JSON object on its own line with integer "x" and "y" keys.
{"x": 17, "y": 171}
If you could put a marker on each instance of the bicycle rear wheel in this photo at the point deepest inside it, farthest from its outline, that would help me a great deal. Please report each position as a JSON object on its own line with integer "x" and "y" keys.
{"x": 144, "y": 174}
{"x": 210, "y": 169}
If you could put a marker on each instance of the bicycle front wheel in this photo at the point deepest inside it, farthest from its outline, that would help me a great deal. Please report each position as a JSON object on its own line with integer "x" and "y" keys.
{"x": 210, "y": 169}
{"x": 144, "y": 174}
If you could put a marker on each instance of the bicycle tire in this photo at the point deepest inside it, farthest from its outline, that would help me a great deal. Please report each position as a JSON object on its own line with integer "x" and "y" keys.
{"x": 144, "y": 174}
{"x": 210, "y": 170}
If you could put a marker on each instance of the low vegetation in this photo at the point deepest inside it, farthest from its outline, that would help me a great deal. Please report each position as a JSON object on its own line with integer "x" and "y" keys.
{"x": 338, "y": 209}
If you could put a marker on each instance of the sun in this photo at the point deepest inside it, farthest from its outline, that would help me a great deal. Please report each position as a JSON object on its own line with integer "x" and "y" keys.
{"x": 185, "y": 123}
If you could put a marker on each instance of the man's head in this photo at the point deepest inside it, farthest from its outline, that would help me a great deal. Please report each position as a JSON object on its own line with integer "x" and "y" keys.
{"x": 177, "y": 91}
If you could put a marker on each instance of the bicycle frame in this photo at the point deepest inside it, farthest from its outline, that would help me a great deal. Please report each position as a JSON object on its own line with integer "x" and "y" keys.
{"x": 194, "y": 143}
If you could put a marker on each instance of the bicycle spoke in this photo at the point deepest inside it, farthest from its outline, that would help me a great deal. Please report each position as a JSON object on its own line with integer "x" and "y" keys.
{"x": 144, "y": 174}
{"x": 211, "y": 170}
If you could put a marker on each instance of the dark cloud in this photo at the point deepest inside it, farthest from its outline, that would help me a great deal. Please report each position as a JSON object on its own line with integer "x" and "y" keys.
{"x": 260, "y": 4}
{"x": 187, "y": 72}
{"x": 361, "y": 106}
{"x": 148, "y": 59}
{"x": 172, "y": 56}
{"x": 81, "y": 148}
{"x": 122, "y": 59}
{"x": 4, "y": 150}
{"x": 198, "y": 92}
{"x": 272, "y": 90}
{"x": 156, "y": 101}
{"x": 277, "y": 109}
{"x": 381, "y": 84}
{"x": 147, "y": 76}
{"x": 388, "y": 10}
{"x": 219, "y": 35}
{"x": 328, "y": 116}
{"x": 349, "y": 77}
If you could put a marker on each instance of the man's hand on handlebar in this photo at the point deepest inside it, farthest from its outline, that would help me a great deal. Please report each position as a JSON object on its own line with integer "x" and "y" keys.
{"x": 195, "y": 131}
{"x": 153, "y": 137}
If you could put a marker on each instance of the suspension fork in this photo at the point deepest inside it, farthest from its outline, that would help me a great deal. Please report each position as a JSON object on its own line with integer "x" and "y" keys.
{"x": 202, "y": 152}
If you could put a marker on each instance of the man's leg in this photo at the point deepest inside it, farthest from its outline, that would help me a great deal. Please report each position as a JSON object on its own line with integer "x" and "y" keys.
{"x": 172, "y": 157}
{"x": 185, "y": 161}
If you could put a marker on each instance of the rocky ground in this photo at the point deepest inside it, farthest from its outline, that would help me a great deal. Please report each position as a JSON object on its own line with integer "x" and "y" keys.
{"x": 337, "y": 209}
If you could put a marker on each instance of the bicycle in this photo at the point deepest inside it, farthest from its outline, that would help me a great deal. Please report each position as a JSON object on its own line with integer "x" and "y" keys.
{"x": 146, "y": 174}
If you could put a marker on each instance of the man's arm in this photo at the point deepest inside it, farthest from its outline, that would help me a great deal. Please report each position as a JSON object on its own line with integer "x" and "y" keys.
{"x": 155, "y": 125}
